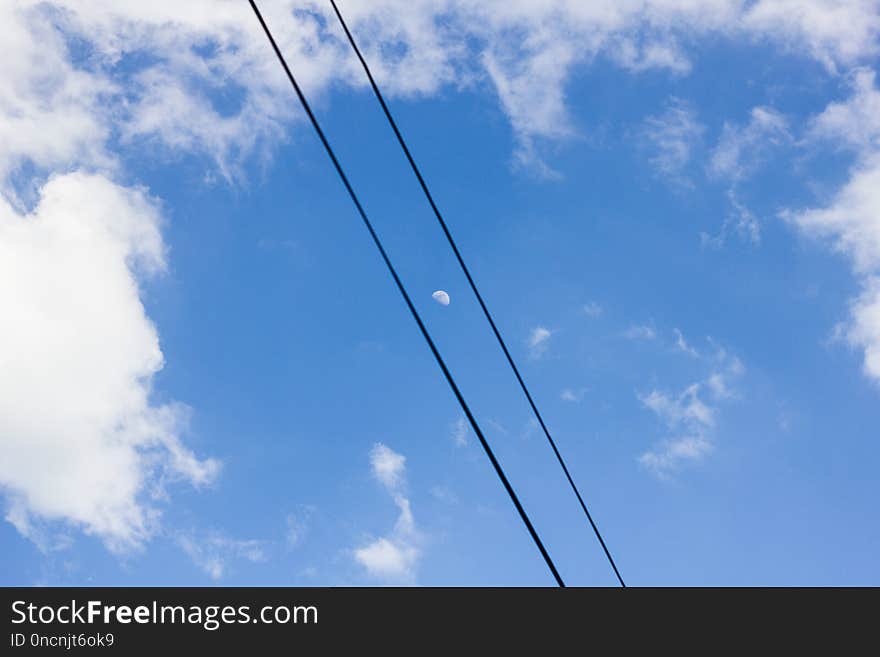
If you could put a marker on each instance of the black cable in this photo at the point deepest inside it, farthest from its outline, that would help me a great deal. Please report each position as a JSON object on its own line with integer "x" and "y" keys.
{"x": 412, "y": 309}
{"x": 473, "y": 285}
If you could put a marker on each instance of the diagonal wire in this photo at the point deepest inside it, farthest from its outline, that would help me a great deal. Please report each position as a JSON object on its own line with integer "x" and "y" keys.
{"x": 446, "y": 373}
{"x": 473, "y": 286}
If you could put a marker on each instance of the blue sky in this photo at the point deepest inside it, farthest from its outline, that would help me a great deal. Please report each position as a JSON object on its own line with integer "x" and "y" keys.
{"x": 672, "y": 209}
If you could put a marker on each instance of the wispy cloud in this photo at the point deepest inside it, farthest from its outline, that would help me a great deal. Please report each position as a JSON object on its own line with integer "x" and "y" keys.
{"x": 298, "y": 524}
{"x": 690, "y": 417}
{"x": 671, "y": 138}
{"x": 392, "y": 557}
{"x": 214, "y": 551}
{"x": 497, "y": 427}
{"x": 593, "y": 309}
{"x": 444, "y": 494}
{"x": 538, "y": 341}
{"x": 740, "y": 152}
{"x": 640, "y": 332}
{"x": 742, "y": 148}
{"x": 571, "y": 395}
{"x": 530, "y": 428}
{"x": 459, "y": 433}
{"x": 739, "y": 220}
{"x": 682, "y": 345}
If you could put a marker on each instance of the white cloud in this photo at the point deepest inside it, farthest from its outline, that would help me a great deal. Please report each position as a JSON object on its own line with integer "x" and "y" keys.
{"x": 528, "y": 86}
{"x": 460, "y": 432}
{"x": 538, "y": 336}
{"x": 444, "y": 494}
{"x": 56, "y": 110}
{"x": 393, "y": 557}
{"x": 593, "y": 309}
{"x": 638, "y": 332}
{"x": 574, "y": 396}
{"x": 532, "y": 46}
{"x": 198, "y": 77}
{"x": 672, "y": 453}
{"x": 57, "y": 107}
{"x": 863, "y": 330}
{"x": 743, "y": 220}
{"x": 739, "y": 219}
{"x": 388, "y": 466}
{"x": 835, "y": 32}
{"x": 740, "y": 149}
{"x": 647, "y": 34}
{"x": 690, "y": 417}
{"x": 538, "y": 341}
{"x": 530, "y": 428}
{"x": 850, "y": 221}
{"x": 672, "y": 137}
{"x": 298, "y": 524}
{"x": 497, "y": 426}
{"x": 49, "y": 110}
{"x": 662, "y": 54}
{"x": 214, "y": 551}
{"x": 682, "y": 345}
{"x": 739, "y": 153}
{"x": 80, "y": 439}
{"x": 388, "y": 559}
{"x": 856, "y": 121}
{"x": 686, "y": 408}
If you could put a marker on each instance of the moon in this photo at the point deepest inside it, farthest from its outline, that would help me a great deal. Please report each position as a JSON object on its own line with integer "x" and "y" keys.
{"x": 441, "y": 297}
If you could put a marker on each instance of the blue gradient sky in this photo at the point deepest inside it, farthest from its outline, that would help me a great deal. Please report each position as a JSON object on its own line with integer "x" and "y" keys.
{"x": 284, "y": 336}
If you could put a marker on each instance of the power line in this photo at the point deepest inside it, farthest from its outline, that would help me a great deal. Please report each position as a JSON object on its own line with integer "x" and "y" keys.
{"x": 412, "y": 309}
{"x": 473, "y": 285}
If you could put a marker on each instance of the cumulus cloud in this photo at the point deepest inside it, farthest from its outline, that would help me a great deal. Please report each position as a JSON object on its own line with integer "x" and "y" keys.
{"x": 80, "y": 439}
{"x": 855, "y": 121}
{"x": 690, "y": 417}
{"x": 393, "y": 557}
{"x": 59, "y": 106}
{"x": 641, "y": 35}
{"x": 863, "y": 331}
{"x": 388, "y": 466}
{"x": 850, "y": 221}
{"x": 203, "y": 52}
{"x": 548, "y": 39}
{"x": 84, "y": 81}
{"x": 835, "y": 32}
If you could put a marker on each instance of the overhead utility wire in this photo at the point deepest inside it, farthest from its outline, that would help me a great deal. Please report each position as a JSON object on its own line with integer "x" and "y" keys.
{"x": 473, "y": 285}
{"x": 412, "y": 309}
